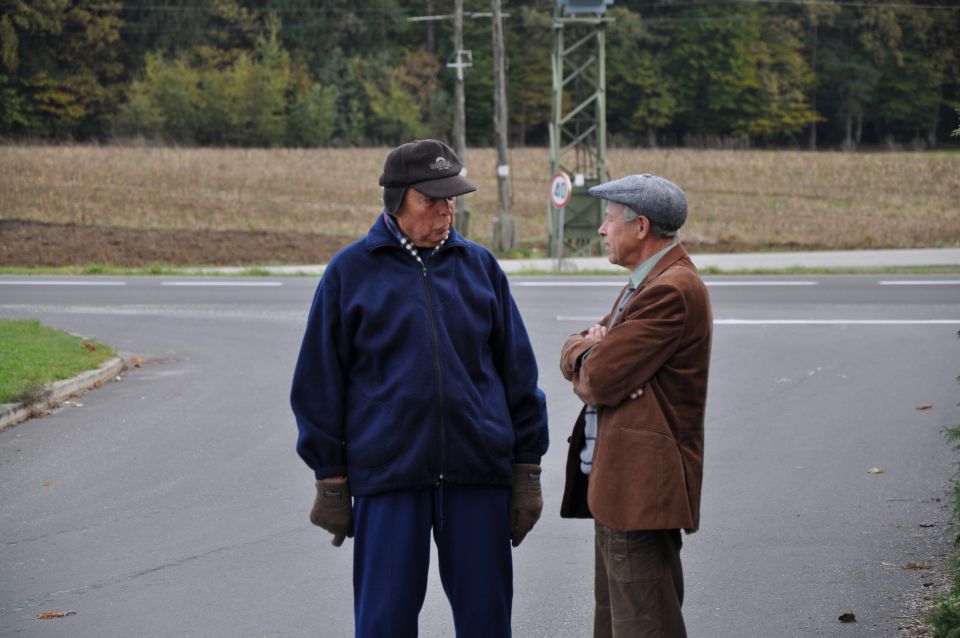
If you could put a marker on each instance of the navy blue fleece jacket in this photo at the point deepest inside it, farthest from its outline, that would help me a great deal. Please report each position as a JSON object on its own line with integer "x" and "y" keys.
{"x": 410, "y": 374}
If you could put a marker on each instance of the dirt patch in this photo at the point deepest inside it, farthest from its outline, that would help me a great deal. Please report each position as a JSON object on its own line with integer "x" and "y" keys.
{"x": 29, "y": 243}
{"x": 36, "y": 244}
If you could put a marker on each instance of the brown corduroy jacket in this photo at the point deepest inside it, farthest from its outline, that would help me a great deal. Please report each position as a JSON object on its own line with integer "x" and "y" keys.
{"x": 648, "y": 461}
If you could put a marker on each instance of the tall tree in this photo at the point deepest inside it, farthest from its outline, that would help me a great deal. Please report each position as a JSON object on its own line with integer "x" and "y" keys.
{"x": 739, "y": 71}
{"x": 529, "y": 47}
{"x": 59, "y": 73}
{"x": 216, "y": 30}
{"x": 643, "y": 100}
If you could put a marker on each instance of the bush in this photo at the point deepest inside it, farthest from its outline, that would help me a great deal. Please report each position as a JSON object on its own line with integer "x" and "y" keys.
{"x": 255, "y": 100}
{"x": 945, "y": 617}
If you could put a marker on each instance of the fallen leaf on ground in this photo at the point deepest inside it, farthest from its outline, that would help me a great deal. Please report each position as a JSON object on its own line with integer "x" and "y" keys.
{"x": 924, "y": 406}
{"x": 848, "y": 617}
{"x": 89, "y": 346}
{"x": 928, "y": 524}
{"x": 912, "y": 565}
{"x": 876, "y": 470}
{"x": 136, "y": 359}
{"x": 47, "y": 615}
{"x": 45, "y": 484}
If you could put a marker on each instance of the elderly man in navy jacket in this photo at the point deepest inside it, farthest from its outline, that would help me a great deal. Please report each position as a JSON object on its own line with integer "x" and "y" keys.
{"x": 418, "y": 408}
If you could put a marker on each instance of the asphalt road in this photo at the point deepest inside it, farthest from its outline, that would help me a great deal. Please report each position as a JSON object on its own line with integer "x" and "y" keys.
{"x": 173, "y": 503}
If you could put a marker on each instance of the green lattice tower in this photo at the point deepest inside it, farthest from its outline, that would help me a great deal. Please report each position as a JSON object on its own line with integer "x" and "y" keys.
{"x": 578, "y": 131}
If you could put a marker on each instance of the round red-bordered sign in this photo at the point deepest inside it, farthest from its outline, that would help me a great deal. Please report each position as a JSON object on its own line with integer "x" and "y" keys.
{"x": 560, "y": 189}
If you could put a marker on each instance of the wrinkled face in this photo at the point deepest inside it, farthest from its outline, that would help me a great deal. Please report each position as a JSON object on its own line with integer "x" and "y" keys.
{"x": 621, "y": 238}
{"x": 425, "y": 220}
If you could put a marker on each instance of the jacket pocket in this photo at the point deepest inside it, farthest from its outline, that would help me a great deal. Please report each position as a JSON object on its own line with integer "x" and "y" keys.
{"x": 373, "y": 438}
{"x": 643, "y": 413}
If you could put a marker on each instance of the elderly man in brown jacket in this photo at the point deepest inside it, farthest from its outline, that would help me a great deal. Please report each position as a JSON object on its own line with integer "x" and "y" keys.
{"x": 635, "y": 462}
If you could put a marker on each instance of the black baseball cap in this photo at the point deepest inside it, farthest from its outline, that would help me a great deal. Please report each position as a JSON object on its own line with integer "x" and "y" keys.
{"x": 429, "y": 166}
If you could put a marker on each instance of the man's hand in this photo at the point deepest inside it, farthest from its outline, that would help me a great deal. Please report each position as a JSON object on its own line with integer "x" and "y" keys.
{"x": 526, "y": 501}
{"x": 332, "y": 509}
{"x": 597, "y": 332}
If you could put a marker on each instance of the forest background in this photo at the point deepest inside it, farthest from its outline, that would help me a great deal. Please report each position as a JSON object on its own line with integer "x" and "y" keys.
{"x": 309, "y": 73}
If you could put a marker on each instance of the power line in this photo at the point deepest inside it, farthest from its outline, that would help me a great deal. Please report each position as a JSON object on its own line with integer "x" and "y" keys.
{"x": 401, "y": 11}
{"x": 837, "y": 3}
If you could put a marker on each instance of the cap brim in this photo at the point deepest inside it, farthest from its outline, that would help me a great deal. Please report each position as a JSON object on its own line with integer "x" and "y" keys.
{"x": 452, "y": 186}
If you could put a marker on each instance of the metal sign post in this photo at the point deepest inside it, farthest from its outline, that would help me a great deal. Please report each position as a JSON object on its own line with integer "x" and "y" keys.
{"x": 560, "y": 191}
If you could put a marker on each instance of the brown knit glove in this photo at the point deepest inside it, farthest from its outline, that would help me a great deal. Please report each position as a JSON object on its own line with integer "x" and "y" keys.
{"x": 332, "y": 509}
{"x": 526, "y": 501}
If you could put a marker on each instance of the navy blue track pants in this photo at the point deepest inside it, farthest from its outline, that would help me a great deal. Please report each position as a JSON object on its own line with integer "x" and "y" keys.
{"x": 391, "y": 559}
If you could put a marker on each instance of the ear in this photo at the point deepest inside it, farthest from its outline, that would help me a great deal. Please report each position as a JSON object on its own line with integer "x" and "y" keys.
{"x": 643, "y": 227}
{"x": 402, "y": 209}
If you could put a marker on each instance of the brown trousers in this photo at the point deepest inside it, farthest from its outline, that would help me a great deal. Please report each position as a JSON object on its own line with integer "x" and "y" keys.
{"x": 639, "y": 584}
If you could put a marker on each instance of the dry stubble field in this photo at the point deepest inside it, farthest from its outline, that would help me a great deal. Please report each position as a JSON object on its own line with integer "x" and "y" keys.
{"x": 130, "y": 206}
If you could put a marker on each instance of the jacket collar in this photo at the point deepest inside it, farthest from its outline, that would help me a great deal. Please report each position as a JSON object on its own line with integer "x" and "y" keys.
{"x": 674, "y": 255}
{"x": 380, "y": 236}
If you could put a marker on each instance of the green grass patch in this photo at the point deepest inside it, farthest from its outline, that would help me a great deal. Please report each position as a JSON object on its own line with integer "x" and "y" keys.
{"x": 944, "y": 619}
{"x": 267, "y": 271}
{"x": 157, "y": 270}
{"x": 796, "y": 270}
{"x": 33, "y": 355}
{"x": 923, "y": 270}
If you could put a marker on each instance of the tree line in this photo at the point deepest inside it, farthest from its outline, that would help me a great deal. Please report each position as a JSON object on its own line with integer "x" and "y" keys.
{"x": 305, "y": 73}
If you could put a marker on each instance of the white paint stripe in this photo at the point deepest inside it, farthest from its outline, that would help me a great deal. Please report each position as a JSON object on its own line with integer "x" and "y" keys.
{"x": 922, "y": 282}
{"x": 834, "y": 322}
{"x": 571, "y": 284}
{"x": 48, "y": 282}
{"x": 620, "y": 284}
{"x": 222, "y": 283}
{"x": 761, "y": 283}
{"x": 803, "y": 322}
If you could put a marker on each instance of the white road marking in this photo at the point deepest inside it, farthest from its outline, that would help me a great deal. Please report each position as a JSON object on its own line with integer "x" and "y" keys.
{"x": 921, "y": 282}
{"x": 621, "y": 284}
{"x": 570, "y": 284}
{"x": 51, "y": 282}
{"x": 222, "y": 283}
{"x": 834, "y": 322}
{"x": 801, "y": 322}
{"x": 761, "y": 283}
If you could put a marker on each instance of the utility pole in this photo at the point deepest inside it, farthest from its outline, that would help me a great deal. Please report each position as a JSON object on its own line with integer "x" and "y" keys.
{"x": 504, "y": 234}
{"x": 463, "y": 59}
{"x": 431, "y": 43}
{"x": 462, "y": 219}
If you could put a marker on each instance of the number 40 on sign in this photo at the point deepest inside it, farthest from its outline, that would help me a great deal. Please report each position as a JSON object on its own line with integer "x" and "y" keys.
{"x": 560, "y": 189}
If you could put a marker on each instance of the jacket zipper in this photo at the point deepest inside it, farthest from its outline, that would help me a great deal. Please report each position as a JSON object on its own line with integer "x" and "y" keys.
{"x": 436, "y": 363}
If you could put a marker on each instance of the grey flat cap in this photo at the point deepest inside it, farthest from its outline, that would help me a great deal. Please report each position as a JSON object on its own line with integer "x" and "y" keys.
{"x": 658, "y": 199}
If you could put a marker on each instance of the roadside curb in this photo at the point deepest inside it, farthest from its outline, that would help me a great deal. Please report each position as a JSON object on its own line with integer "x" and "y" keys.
{"x": 718, "y": 263}
{"x": 59, "y": 391}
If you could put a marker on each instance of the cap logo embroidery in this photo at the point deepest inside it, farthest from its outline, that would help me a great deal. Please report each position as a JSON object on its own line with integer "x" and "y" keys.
{"x": 440, "y": 164}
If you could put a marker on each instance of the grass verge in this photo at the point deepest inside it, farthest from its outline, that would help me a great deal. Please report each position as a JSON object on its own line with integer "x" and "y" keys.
{"x": 268, "y": 271}
{"x": 33, "y": 355}
{"x": 712, "y": 271}
{"x": 945, "y": 617}
{"x": 166, "y": 270}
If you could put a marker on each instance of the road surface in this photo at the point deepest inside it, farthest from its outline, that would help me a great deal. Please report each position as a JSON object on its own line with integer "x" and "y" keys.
{"x": 173, "y": 503}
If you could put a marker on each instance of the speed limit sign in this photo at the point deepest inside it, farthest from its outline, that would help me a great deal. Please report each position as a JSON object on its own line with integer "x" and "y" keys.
{"x": 560, "y": 189}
